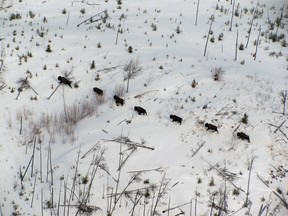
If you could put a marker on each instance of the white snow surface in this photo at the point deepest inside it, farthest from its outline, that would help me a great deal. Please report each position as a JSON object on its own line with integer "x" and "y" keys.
{"x": 175, "y": 167}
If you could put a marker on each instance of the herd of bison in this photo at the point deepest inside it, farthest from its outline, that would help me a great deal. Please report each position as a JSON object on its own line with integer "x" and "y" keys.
{"x": 142, "y": 111}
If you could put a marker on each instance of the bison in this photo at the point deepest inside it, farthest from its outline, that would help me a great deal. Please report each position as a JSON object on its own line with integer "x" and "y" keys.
{"x": 211, "y": 127}
{"x": 176, "y": 119}
{"x": 64, "y": 80}
{"x": 140, "y": 110}
{"x": 243, "y": 136}
{"x": 98, "y": 91}
{"x": 118, "y": 100}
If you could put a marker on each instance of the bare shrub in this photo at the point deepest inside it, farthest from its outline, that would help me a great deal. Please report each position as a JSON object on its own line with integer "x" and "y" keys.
{"x": 46, "y": 121}
{"x": 34, "y": 129}
{"x": 24, "y": 82}
{"x": 25, "y": 112}
{"x": 76, "y": 112}
{"x": 100, "y": 99}
{"x": 131, "y": 69}
{"x": 66, "y": 121}
{"x": 119, "y": 90}
{"x": 217, "y": 73}
{"x": 69, "y": 129}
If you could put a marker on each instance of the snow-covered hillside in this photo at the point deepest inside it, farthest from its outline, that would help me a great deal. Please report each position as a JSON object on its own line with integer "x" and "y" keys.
{"x": 70, "y": 151}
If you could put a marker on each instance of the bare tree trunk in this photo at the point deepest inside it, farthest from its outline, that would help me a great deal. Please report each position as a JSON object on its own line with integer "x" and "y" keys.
{"x": 236, "y": 48}
{"x": 33, "y": 156}
{"x": 195, "y": 210}
{"x": 212, "y": 19}
{"x": 53, "y": 91}
{"x": 233, "y": 8}
{"x": 268, "y": 21}
{"x": 21, "y": 124}
{"x": 248, "y": 183}
{"x": 284, "y": 98}
{"x": 59, "y": 199}
{"x": 190, "y": 212}
{"x": 128, "y": 81}
{"x": 197, "y": 11}
{"x": 42, "y": 213}
{"x": 212, "y": 205}
{"x": 21, "y": 178}
{"x": 68, "y": 18}
{"x": 257, "y": 43}
{"x": 278, "y": 24}
{"x": 250, "y": 29}
{"x": 117, "y": 35}
{"x": 33, "y": 192}
{"x": 40, "y": 152}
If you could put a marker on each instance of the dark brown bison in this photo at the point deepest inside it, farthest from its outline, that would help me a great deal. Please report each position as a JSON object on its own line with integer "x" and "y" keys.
{"x": 211, "y": 127}
{"x": 243, "y": 136}
{"x": 98, "y": 91}
{"x": 176, "y": 119}
{"x": 118, "y": 100}
{"x": 140, "y": 110}
{"x": 64, "y": 80}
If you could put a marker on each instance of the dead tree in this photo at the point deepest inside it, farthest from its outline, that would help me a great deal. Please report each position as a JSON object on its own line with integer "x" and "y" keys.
{"x": 236, "y": 47}
{"x": 250, "y": 29}
{"x": 199, "y": 146}
{"x": 283, "y": 95}
{"x": 117, "y": 35}
{"x": 232, "y": 16}
{"x": 197, "y": 11}
{"x": 131, "y": 70}
{"x": 247, "y": 201}
{"x": 92, "y": 20}
{"x": 278, "y": 21}
{"x": 24, "y": 84}
{"x": 276, "y": 193}
{"x": 279, "y": 128}
{"x": 209, "y": 31}
{"x": 257, "y": 43}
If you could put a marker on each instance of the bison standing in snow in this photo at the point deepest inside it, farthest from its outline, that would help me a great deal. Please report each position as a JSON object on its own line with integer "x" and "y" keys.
{"x": 140, "y": 110}
{"x": 118, "y": 100}
{"x": 98, "y": 91}
{"x": 176, "y": 119}
{"x": 243, "y": 136}
{"x": 211, "y": 127}
{"x": 64, "y": 80}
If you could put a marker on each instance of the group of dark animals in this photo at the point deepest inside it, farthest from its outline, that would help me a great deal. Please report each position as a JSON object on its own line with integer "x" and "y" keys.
{"x": 142, "y": 111}
{"x": 240, "y": 135}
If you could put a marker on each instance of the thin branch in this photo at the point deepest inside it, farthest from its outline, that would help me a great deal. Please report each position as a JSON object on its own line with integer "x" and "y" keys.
{"x": 54, "y": 91}
{"x": 248, "y": 183}
{"x": 141, "y": 95}
{"x": 159, "y": 169}
{"x": 95, "y": 147}
{"x": 91, "y": 18}
{"x": 126, "y": 141}
{"x": 212, "y": 20}
{"x": 284, "y": 202}
{"x": 198, "y": 148}
{"x": 124, "y": 161}
{"x": 109, "y": 68}
{"x": 86, "y": 2}
{"x": 250, "y": 29}
{"x": 169, "y": 209}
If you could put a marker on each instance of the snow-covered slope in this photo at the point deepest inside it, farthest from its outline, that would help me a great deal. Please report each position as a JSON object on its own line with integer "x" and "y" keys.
{"x": 69, "y": 151}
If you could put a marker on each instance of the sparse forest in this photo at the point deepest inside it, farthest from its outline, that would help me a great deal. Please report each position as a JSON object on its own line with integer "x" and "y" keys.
{"x": 143, "y": 108}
